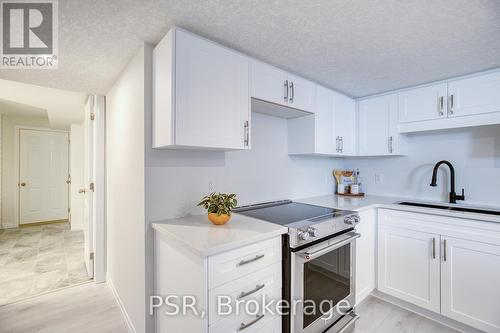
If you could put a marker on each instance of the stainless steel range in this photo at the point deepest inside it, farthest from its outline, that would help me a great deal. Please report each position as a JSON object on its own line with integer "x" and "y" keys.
{"x": 318, "y": 264}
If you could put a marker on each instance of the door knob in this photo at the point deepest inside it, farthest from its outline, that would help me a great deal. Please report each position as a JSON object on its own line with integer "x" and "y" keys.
{"x": 68, "y": 181}
{"x": 22, "y": 184}
{"x": 82, "y": 190}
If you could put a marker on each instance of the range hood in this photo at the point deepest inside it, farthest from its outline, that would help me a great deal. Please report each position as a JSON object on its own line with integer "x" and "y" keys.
{"x": 277, "y": 110}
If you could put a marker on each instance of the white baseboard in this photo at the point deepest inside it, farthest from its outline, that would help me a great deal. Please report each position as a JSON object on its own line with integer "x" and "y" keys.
{"x": 126, "y": 317}
{"x": 8, "y": 225}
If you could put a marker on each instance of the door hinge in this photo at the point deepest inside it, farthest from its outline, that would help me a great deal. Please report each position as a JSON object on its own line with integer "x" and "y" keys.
{"x": 69, "y": 210}
{"x": 92, "y": 186}
{"x": 92, "y": 116}
{"x": 91, "y": 255}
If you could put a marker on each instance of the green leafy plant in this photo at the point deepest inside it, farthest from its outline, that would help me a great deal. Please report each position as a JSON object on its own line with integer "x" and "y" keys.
{"x": 219, "y": 203}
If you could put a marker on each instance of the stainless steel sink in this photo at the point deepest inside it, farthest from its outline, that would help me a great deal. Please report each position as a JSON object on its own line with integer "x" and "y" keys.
{"x": 452, "y": 208}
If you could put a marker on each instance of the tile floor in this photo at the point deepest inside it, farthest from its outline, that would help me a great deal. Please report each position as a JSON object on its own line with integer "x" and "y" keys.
{"x": 37, "y": 259}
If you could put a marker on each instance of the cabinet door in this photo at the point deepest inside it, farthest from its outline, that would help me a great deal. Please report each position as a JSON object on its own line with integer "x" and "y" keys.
{"x": 345, "y": 123}
{"x": 365, "y": 255}
{"x": 302, "y": 93}
{"x": 268, "y": 83}
{"x": 212, "y": 103}
{"x": 408, "y": 266}
{"x": 425, "y": 103}
{"x": 377, "y": 126}
{"x": 324, "y": 122}
{"x": 470, "y": 283}
{"x": 475, "y": 95}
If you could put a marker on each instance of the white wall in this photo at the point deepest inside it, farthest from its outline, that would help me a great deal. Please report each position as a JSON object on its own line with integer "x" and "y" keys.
{"x": 76, "y": 172}
{"x": 177, "y": 180}
{"x": 474, "y": 152}
{"x": 125, "y": 213}
{"x": 9, "y": 181}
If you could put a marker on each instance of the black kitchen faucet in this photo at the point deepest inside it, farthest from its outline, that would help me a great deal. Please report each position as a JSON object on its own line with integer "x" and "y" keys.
{"x": 453, "y": 196}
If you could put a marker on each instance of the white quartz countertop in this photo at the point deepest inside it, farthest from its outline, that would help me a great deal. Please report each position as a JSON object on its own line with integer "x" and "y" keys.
{"x": 377, "y": 201}
{"x": 206, "y": 239}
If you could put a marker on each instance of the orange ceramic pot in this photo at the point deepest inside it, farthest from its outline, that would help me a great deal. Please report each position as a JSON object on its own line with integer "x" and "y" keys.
{"x": 218, "y": 219}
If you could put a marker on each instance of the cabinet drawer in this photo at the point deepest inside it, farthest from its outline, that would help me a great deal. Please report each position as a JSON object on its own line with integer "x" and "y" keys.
{"x": 267, "y": 324}
{"x": 237, "y": 263}
{"x": 264, "y": 283}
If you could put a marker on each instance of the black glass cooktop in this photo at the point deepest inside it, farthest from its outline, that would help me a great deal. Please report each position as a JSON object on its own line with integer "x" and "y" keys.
{"x": 286, "y": 212}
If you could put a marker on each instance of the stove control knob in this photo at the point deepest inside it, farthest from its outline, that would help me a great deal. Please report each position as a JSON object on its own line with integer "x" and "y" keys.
{"x": 349, "y": 220}
{"x": 356, "y": 219}
{"x": 311, "y": 231}
{"x": 303, "y": 235}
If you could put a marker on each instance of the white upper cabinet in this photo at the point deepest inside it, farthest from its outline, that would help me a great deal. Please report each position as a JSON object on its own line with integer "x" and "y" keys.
{"x": 331, "y": 130}
{"x": 345, "y": 124}
{"x": 201, "y": 94}
{"x": 273, "y": 85}
{"x": 378, "y": 122}
{"x": 425, "y": 103}
{"x": 268, "y": 83}
{"x": 474, "y": 95}
{"x": 325, "y": 121}
{"x": 302, "y": 93}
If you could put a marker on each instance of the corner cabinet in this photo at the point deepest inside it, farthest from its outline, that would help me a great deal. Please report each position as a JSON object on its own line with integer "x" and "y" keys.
{"x": 378, "y": 132}
{"x": 330, "y": 131}
{"x": 448, "y": 265}
{"x": 201, "y": 94}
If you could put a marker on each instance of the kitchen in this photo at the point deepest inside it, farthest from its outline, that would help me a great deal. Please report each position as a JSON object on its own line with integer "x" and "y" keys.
{"x": 266, "y": 166}
{"x": 406, "y": 246}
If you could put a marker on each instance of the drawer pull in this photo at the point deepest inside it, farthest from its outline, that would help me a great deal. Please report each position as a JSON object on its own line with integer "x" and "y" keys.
{"x": 244, "y": 262}
{"x": 245, "y": 326}
{"x": 248, "y": 293}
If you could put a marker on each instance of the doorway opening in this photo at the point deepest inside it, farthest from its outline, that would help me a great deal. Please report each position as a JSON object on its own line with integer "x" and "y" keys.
{"x": 50, "y": 216}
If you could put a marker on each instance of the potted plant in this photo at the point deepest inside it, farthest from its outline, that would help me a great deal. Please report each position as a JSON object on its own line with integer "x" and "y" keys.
{"x": 219, "y": 206}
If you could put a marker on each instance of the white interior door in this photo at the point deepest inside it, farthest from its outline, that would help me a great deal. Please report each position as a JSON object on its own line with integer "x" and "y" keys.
{"x": 76, "y": 174}
{"x": 43, "y": 175}
{"x": 88, "y": 211}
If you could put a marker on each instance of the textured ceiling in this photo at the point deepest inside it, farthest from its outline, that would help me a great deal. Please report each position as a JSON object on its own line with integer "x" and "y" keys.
{"x": 358, "y": 47}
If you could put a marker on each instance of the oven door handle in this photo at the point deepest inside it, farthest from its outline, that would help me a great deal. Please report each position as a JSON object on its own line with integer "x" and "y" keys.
{"x": 318, "y": 253}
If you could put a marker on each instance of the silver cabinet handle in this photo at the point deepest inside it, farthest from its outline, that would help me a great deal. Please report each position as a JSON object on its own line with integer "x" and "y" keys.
{"x": 390, "y": 145}
{"x": 292, "y": 92}
{"x": 441, "y": 105}
{"x": 285, "y": 94}
{"x": 434, "y": 248}
{"x": 337, "y": 141}
{"x": 341, "y": 144}
{"x": 452, "y": 103}
{"x": 244, "y": 262}
{"x": 246, "y": 129}
{"x": 245, "y": 326}
{"x": 253, "y": 291}
{"x": 444, "y": 250}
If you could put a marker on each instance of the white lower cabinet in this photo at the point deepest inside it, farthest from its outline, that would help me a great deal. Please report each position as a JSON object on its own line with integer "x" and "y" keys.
{"x": 470, "y": 283}
{"x": 444, "y": 264}
{"x": 365, "y": 254}
{"x": 407, "y": 266}
{"x": 225, "y": 286}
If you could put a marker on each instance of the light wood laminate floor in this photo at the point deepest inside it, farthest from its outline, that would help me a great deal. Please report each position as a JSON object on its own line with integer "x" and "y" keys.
{"x": 87, "y": 308}
{"x": 378, "y": 316}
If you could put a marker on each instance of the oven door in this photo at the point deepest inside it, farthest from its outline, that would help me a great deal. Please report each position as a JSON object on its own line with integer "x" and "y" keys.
{"x": 322, "y": 276}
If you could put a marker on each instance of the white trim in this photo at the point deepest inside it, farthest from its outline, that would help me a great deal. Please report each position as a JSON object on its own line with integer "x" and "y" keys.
{"x": 17, "y": 133}
{"x": 126, "y": 317}
{"x": 99, "y": 172}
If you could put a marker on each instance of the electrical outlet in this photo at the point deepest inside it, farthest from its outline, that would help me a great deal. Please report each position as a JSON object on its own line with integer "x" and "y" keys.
{"x": 379, "y": 178}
